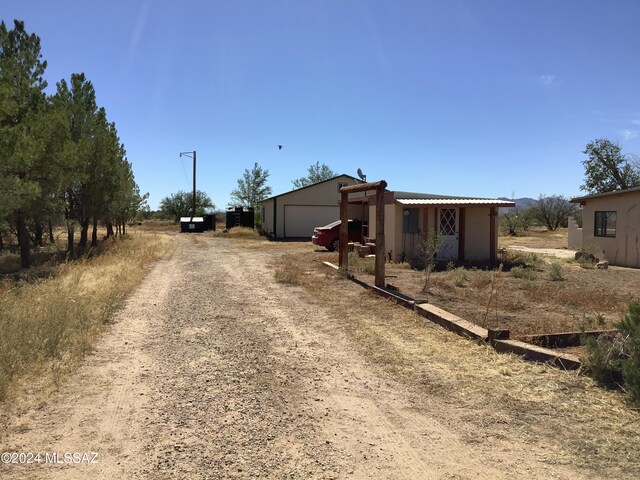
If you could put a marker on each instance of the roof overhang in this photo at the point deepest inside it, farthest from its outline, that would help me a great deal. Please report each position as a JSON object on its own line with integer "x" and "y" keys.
{"x": 463, "y": 202}
{"x": 582, "y": 200}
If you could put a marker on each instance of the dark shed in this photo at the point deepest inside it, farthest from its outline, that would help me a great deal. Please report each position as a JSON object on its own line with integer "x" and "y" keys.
{"x": 240, "y": 217}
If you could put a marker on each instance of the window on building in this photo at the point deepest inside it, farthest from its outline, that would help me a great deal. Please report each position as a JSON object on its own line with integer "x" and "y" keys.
{"x": 605, "y": 224}
{"x": 410, "y": 220}
{"x": 342, "y": 184}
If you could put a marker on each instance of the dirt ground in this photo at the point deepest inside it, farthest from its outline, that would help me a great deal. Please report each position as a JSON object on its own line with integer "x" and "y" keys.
{"x": 529, "y": 303}
{"x": 536, "y": 237}
{"x": 216, "y": 370}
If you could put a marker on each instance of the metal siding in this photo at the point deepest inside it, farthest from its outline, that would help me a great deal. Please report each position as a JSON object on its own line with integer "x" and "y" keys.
{"x": 323, "y": 194}
{"x": 267, "y": 220}
{"x": 300, "y": 220}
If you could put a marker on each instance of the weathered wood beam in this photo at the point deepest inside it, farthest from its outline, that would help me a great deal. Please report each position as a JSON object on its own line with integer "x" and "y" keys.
{"x": 363, "y": 187}
{"x": 380, "y": 253}
{"x": 343, "y": 259}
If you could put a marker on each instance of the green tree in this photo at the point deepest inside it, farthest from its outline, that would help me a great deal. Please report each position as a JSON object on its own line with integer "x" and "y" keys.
{"x": 128, "y": 202}
{"x": 512, "y": 221}
{"x": 22, "y": 102}
{"x": 316, "y": 173}
{"x": 252, "y": 189}
{"x": 178, "y": 204}
{"x": 78, "y": 100}
{"x": 553, "y": 211}
{"x": 607, "y": 169}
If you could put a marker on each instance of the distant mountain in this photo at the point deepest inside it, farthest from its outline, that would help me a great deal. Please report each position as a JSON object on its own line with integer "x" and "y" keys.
{"x": 523, "y": 202}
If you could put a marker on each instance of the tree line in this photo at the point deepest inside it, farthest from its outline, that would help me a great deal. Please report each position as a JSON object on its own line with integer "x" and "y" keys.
{"x": 61, "y": 158}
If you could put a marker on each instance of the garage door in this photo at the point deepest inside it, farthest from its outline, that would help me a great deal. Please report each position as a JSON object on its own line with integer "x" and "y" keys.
{"x": 300, "y": 220}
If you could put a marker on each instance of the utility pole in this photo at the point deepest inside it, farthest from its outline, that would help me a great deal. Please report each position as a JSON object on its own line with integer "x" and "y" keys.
{"x": 193, "y": 203}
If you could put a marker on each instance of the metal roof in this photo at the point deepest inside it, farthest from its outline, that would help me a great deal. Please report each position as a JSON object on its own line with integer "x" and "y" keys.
{"x": 191, "y": 219}
{"x": 456, "y": 201}
{"x": 309, "y": 186}
{"x": 605, "y": 194}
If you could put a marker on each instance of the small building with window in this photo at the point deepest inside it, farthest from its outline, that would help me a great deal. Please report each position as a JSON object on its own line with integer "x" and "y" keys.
{"x": 611, "y": 226}
{"x": 465, "y": 228}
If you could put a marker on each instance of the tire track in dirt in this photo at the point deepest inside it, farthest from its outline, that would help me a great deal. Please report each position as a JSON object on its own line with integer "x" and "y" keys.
{"x": 214, "y": 370}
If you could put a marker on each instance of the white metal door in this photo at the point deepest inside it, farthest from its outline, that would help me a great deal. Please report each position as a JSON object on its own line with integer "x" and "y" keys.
{"x": 300, "y": 220}
{"x": 448, "y": 231}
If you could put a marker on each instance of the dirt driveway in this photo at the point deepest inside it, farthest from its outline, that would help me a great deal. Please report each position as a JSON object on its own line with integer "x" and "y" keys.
{"x": 551, "y": 252}
{"x": 214, "y": 370}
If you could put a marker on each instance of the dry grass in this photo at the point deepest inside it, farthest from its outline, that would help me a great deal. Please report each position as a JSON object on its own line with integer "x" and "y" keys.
{"x": 537, "y": 237}
{"x": 288, "y": 272}
{"x": 239, "y": 232}
{"x": 498, "y": 397}
{"x": 49, "y": 324}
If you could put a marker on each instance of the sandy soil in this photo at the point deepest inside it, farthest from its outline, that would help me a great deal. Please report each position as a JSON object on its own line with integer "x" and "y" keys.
{"x": 551, "y": 252}
{"x": 214, "y": 370}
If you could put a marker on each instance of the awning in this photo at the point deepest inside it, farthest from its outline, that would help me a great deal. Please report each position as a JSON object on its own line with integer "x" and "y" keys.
{"x": 484, "y": 202}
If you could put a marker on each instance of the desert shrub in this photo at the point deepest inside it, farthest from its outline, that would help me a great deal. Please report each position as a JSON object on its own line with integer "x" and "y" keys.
{"x": 458, "y": 276}
{"x": 522, "y": 273}
{"x": 370, "y": 266}
{"x": 513, "y": 221}
{"x": 586, "y": 263}
{"x": 614, "y": 360}
{"x": 555, "y": 272}
{"x": 513, "y": 258}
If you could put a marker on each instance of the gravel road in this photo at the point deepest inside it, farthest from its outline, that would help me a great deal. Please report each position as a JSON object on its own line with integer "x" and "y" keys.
{"x": 214, "y": 370}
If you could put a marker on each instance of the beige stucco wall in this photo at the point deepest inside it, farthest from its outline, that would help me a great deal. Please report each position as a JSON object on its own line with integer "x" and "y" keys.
{"x": 267, "y": 218}
{"x": 624, "y": 248}
{"x": 574, "y": 234}
{"x": 477, "y": 232}
{"x": 322, "y": 195}
{"x": 391, "y": 230}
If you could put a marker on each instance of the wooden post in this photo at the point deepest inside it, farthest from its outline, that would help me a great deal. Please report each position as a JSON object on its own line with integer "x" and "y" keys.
{"x": 380, "y": 253}
{"x": 343, "y": 260}
{"x": 461, "y": 233}
{"x": 425, "y": 224}
{"x": 492, "y": 234}
{"x": 343, "y": 257}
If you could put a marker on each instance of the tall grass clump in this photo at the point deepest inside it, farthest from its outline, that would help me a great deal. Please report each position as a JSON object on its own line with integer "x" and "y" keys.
{"x": 49, "y": 324}
{"x": 288, "y": 273}
{"x": 458, "y": 276}
{"x": 614, "y": 360}
{"x": 555, "y": 272}
{"x": 240, "y": 232}
{"x": 514, "y": 258}
{"x": 522, "y": 273}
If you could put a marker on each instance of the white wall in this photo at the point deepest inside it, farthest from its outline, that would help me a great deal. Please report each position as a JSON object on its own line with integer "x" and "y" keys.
{"x": 624, "y": 248}
{"x": 574, "y": 232}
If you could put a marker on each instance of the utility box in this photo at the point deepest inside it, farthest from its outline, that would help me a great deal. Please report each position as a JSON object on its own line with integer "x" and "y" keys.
{"x": 210, "y": 222}
{"x": 240, "y": 217}
{"x": 191, "y": 224}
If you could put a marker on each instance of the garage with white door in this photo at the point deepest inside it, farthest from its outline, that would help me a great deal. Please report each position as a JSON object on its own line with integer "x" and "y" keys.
{"x": 296, "y": 213}
{"x": 300, "y": 220}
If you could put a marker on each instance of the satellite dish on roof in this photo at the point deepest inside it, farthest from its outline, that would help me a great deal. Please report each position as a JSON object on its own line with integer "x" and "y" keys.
{"x": 362, "y": 176}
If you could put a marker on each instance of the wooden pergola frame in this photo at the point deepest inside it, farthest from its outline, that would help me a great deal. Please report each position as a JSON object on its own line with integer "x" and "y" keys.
{"x": 343, "y": 261}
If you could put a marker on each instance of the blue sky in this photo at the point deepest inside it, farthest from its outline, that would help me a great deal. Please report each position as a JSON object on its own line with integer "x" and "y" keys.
{"x": 476, "y": 98}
